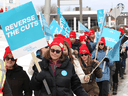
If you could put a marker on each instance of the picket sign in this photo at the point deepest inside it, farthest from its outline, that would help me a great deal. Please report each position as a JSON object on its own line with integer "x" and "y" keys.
{"x": 96, "y": 50}
{"x": 23, "y": 32}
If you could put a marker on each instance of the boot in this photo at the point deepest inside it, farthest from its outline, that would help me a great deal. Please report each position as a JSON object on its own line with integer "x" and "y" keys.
{"x": 114, "y": 88}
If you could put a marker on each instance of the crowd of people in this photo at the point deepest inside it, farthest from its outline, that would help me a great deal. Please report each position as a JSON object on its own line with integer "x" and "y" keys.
{"x": 70, "y": 66}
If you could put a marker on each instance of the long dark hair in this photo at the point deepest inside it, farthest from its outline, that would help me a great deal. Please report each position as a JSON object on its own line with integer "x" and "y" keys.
{"x": 69, "y": 51}
{"x": 48, "y": 57}
{"x": 89, "y": 61}
{"x": 104, "y": 49}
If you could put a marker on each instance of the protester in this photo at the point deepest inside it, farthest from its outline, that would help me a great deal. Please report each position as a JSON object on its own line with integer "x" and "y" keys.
{"x": 75, "y": 43}
{"x": 59, "y": 73}
{"x": 103, "y": 82}
{"x": 39, "y": 54}
{"x": 117, "y": 70}
{"x": 88, "y": 65}
{"x": 17, "y": 78}
{"x": 87, "y": 40}
{"x": 75, "y": 62}
{"x": 92, "y": 37}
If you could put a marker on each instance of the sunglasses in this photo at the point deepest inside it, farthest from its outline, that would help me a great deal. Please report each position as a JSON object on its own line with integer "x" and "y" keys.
{"x": 84, "y": 54}
{"x": 101, "y": 43}
{"x": 12, "y": 59}
{"x": 57, "y": 51}
{"x": 47, "y": 46}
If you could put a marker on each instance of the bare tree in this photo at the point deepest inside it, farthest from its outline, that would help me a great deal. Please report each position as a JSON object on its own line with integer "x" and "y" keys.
{"x": 53, "y": 9}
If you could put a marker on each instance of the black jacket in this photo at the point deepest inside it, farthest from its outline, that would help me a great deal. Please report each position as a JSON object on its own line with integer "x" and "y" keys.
{"x": 59, "y": 85}
{"x": 6, "y": 90}
{"x": 18, "y": 81}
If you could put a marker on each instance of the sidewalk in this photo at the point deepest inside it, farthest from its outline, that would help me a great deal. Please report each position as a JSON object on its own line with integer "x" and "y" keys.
{"x": 123, "y": 84}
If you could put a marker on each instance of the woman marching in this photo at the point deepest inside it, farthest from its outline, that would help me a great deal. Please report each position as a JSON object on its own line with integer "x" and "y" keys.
{"x": 17, "y": 78}
{"x": 59, "y": 73}
{"x": 103, "y": 82}
{"x": 88, "y": 65}
{"x": 67, "y": 51}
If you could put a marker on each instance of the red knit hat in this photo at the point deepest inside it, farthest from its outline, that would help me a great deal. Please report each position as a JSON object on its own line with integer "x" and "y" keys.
{"x": 92, "y": 32}
{"x": 57, "y": 41}
{"x": 72, "y": 34}
{"x": 121, "y": 30}
{"x": 102, "y": 40}
{"x": 82, "y": 38}
{"x": 7, "y": 52}
{"x": 86, "y": 33}
{"x": 61, "y": 36}
{"x": 83, "y": 49}
{"x": 69, "y": 42}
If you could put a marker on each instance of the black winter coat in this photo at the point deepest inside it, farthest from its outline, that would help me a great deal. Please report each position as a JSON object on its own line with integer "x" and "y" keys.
{"x": 59, "y": 85}
{"x": 18, "y": 81}
{"x": 6, "y": 90}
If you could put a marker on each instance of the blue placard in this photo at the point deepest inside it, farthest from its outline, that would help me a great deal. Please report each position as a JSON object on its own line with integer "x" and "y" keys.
{"x": 63, "y": 23}
{"x": 21, "y": 26}
{"x": 56, "y": 29}
{"x": 111, "y": 36}
{"x": 100, "y": 16}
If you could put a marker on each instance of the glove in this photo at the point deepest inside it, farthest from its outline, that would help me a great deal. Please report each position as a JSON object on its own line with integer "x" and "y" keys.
{"x": 94, "y": 64}
{"x": 40, "y": 76}
{"x": 106, "y": 59}
{"x": 92, "y": 77}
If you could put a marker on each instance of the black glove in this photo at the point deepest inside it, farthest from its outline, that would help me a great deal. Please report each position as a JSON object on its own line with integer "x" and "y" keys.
{"x": 106, "y": 59}
{"x": 94, "y": 64}
{"x": 92, "y": 77}
{"x": 40, "y": 76}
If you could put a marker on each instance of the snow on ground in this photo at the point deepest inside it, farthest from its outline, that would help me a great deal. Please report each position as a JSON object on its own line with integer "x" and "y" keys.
{"x": 25, "y": 61}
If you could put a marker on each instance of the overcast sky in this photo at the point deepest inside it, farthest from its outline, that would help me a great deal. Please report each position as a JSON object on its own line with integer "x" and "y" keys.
{"x": 94, "y": 4}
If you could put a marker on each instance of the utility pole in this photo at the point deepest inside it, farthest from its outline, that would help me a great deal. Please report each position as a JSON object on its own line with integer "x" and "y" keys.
{"x": 47, "y": 11}
{"x": 58, "y": 4}
{"x": 81, "y": 20}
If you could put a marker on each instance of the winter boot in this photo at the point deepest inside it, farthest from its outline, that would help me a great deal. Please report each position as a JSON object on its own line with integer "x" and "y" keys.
{"x": 114, "y": 88}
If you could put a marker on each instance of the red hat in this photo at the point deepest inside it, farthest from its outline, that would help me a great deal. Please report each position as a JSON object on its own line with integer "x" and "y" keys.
{"x": 57, "y": 41}
{"x": 86, "y": 33}
{"x": 61, "y": 36}
{"x": 7, "y": 52}
{"x": 102, "y": 40}
{"x": 83, "y": 49}
{"x": 82, "y": 38}
{"x": 72, "y": 34}
{"x": 121, "y": 30}
{"x": 69, "y": 42}
{"x": 92, "y": 32}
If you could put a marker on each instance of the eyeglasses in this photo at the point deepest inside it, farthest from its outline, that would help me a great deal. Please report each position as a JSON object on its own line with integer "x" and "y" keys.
{"x": 47, "y": 46}
{"x": 101, "y": 43}
{"x": 57, "y": 51}
{"x": 84, "y": 54}
{"x": 12, "y": 59}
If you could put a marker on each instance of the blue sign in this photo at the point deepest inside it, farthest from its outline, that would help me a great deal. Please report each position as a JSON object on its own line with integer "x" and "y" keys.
{"x": 111, "y": 36}
{"x": 56, "y": 29}
{"x": 64, "y": 73}
{"x": 45, "y": 26}
{"x": 63, "y": 23}
{"x": 83, "y": 28}
{"x": 21, "y": 27}
{"x": 100, "y": 16}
